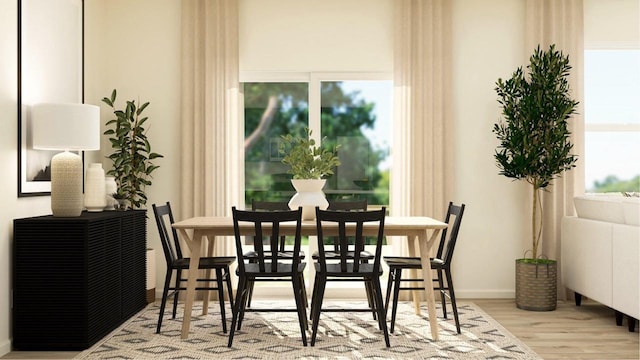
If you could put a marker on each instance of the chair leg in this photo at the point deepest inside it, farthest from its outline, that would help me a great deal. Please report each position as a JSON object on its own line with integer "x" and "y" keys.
{"x": 443, "y": 299}
{"x": 320, "y": 285}
{"x": 176, "y": 293}
{"x": 369, "y": 289}
{"x": 249, "y": 293}
{"x": 388, "y": 296}
{"x": 379, "y": 306}
{"x": 243, "y": 303}
{"x": 304, "y": 291}
{"x": 227, "y": 275}
{"x": 397, "y": 277}
{"x": 163, "y": 303}
{"x": 370, "y": 298}
{"x": 237, "y": 308}
{"x": 453, "y": 298}
{"x": 220, "y": 286}
{"x": 300, "y": 307}
{"x": 313, "y": 296}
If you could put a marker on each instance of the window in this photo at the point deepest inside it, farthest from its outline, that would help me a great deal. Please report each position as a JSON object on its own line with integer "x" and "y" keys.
{"x": 352, "y": 114}
{"x": 612, "y": 120}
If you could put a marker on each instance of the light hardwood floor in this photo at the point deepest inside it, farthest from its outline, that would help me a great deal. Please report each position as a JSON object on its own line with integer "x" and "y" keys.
{"x": 588, "y": 332}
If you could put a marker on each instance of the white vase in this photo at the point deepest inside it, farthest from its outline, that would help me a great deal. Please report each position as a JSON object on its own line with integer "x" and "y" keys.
{"x": 94, "y": 188}
{"x": 110, "y": 188}
{"x": 309, "y": 195}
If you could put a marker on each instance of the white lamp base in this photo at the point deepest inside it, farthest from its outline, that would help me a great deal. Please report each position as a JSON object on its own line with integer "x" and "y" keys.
{"x": 66, "y": 185}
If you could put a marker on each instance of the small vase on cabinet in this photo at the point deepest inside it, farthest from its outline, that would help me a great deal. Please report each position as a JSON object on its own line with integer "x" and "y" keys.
{"x": 94, "y": 199}
{"x": 308, "y": 195}
{"x": 111, "y": 187}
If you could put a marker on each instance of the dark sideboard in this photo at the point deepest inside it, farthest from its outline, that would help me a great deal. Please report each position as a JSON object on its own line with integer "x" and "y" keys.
{"x": 76, "y": 279}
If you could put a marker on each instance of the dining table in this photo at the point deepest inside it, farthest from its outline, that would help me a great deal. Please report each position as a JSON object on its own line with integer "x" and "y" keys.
{"x": 419, "y": 230}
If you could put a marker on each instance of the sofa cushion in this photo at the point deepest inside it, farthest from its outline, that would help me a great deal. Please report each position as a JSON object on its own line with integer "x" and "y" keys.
{"x": 631, "y": 210}
{"x": 606, "y": 208}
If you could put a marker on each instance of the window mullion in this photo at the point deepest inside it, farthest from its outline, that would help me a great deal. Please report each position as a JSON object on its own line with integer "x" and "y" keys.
{"x": 314, "y": 107}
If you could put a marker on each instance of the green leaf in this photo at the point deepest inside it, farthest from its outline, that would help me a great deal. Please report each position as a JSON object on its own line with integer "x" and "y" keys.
{"x": 131, "y": 154}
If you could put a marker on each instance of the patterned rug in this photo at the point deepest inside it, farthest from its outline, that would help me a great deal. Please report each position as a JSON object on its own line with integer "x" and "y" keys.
{"x": 340, "y": 336}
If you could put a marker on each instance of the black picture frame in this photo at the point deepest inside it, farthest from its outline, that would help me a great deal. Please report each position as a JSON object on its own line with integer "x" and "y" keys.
{"x": 50, "y": 69}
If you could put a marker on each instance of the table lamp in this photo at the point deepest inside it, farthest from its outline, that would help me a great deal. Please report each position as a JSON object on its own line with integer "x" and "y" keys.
{"x": 66, "y": 127}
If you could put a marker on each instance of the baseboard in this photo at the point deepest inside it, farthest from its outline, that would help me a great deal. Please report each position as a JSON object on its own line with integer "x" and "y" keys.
{"x": 359, "y": 294}
{"x": 5, "y": 347}
{"x": 485, "y": 294}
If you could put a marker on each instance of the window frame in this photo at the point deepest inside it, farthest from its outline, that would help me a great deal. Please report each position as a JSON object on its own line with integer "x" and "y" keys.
{"x": 615, "y": 127}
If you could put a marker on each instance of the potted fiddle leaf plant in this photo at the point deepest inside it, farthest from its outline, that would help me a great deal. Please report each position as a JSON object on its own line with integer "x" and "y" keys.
{"x": 133, "y": 160}
{"x": 535, "y": 147}
{"x": 310, "y": 166}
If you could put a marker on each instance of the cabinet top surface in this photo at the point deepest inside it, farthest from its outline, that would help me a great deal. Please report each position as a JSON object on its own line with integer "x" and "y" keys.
{"x": 85, "y": 216}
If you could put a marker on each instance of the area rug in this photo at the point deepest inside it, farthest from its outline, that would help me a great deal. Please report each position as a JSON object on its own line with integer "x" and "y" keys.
{"x": 349, "y": 335}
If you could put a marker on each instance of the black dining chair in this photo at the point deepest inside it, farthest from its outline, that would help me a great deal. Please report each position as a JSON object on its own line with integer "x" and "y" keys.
{"x": 269, "y": 263}
{"x": 345, "y": 267}
{"x": 365, "y": 256}
{"x": 176, "y": 263}
{"x": 251, "y": 254}
{"x": 441, "y": 263}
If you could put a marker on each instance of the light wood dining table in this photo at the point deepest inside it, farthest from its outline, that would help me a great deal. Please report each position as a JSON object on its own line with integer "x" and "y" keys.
{"x": 423, "y": 230}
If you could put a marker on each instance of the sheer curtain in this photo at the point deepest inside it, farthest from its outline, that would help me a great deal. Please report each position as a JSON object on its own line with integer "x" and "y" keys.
{"x": 422, "y": 173}
{"x": 561, "y": 23}
{"x": 209, "y": 110}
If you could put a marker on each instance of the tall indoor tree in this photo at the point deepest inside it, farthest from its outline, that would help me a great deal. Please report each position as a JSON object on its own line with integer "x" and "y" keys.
{"x": 534, "y": 135}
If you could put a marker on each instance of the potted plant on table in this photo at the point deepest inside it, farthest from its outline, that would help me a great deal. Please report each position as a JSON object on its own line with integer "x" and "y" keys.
{"x": 535, "y": 147}
{"x": 310, "y": 165}
{"x": 132, "y": 156}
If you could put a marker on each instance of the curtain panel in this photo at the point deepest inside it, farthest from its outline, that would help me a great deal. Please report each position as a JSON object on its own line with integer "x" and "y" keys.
{"x": 209, "y": 110}
{"x": 422, "y": 176}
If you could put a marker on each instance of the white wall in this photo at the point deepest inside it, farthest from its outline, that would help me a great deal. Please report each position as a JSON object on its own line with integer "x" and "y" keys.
{"x": 11, "y": 207}
{"x": 327, "y": 35}
{"x": 134, "y": 47}
{"x": 487, "y": 44}
{"x": 612, "y": 22}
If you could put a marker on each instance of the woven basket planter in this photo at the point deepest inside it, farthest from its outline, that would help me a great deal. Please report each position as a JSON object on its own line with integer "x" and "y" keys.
{"x": 536, "y": 286}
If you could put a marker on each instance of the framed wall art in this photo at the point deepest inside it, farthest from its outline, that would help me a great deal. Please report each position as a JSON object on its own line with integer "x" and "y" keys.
{"x": 50, "y": 69}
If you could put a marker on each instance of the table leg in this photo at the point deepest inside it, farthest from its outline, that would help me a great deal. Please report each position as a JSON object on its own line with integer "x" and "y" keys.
{"x": 205, "y": 294}
{"x": 416, "y": 294}
{"x": 425, "y": 252}
{"x": 194, "y": 246}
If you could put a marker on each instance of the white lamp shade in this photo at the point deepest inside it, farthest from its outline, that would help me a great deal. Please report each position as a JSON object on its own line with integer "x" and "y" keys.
{"x": 65, "y": 126}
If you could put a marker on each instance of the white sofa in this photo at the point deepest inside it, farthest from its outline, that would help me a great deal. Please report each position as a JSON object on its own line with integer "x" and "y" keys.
{"x": 601, "y": 253}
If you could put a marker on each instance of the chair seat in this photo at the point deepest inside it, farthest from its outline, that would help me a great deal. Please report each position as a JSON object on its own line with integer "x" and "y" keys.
{"x": 364, "y": 255}
{"x": 283, "y": 269}
{"x": 334, "y": 270}
{"x": 284, "y": 254}
{"x": 410, "y": 262}
{"x": 205, "y": 262}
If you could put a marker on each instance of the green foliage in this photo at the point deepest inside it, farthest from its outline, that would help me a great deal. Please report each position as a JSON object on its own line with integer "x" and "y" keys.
{"x": 534, "y": 136}
{"x": 612, "y": 184}
{"x": 132, "y": 156}
{"x": 306, "y": 160}
{"x": 538, "y": 261}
